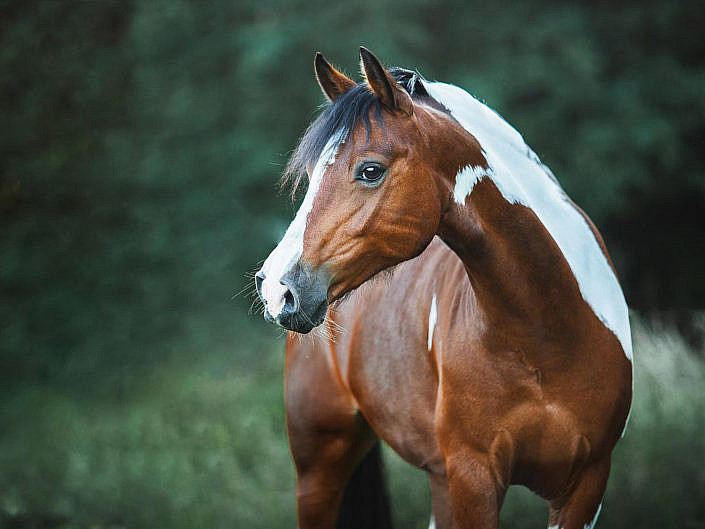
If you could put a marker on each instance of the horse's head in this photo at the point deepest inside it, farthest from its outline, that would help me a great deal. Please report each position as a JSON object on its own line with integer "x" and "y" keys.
{"x": 373, "y": 198}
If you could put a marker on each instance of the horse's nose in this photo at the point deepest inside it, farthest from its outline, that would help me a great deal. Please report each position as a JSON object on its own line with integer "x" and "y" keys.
{"x": 297, "y": 300}
{"x": 281, "y": 301}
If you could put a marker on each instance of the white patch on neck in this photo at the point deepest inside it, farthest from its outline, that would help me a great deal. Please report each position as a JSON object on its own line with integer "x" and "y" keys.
{"x": 290, "y": 248}
{"x": 465, "y": 180}
{"x": 432, "y": 317}
{"x": 432, "y": 523}
{"x": 521, "y": 178}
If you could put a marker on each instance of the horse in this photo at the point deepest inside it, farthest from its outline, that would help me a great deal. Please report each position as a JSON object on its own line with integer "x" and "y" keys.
{"x": 467, "y": 311}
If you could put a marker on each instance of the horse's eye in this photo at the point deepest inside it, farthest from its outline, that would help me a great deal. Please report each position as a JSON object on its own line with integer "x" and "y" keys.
{"x": 370, "y": 172}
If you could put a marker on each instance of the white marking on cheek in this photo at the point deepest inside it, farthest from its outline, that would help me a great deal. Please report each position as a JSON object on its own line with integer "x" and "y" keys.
{"x": 290, "y": 248}
{"x": 432, "y": 317}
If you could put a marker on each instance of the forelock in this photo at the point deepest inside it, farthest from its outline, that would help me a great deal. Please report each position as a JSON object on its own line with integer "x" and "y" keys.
{"x": 340, "y": 118}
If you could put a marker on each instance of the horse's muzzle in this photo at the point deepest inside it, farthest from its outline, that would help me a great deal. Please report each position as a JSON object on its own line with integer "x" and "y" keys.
{"x": 298, "y": 302}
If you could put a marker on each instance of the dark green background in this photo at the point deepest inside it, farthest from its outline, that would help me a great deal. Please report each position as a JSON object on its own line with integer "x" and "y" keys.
{"x": 140, "y": 147}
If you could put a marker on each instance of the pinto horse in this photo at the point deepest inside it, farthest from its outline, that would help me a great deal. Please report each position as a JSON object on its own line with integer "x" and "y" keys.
{"x": 495, "y": 348}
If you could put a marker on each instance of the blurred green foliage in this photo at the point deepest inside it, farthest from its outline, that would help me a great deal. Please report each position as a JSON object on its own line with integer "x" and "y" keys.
{"x": 206, "y": 449}
{"x": 140, "y": 149}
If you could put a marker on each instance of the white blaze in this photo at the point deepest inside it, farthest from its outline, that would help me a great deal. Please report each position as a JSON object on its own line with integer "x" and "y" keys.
{"x": 290, "y": 248}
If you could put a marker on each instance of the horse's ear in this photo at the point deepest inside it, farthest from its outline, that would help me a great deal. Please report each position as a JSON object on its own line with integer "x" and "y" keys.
{"x": 387, "y": 90}
{"x": 332, "y": 82}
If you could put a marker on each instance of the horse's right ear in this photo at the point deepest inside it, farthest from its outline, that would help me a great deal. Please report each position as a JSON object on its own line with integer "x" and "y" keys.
{"x": 385, "y": 87}
{"x": 332, "y": 82}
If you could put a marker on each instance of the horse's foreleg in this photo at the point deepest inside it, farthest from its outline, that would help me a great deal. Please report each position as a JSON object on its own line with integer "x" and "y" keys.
{"x": 477, "y": 480}
{"x": 475, "y": 495}
{"x": 324, "y": 464}
{"x": 327, "y": 436}
{"x": 442, "y": 517}
{"x": 579, "y": 508}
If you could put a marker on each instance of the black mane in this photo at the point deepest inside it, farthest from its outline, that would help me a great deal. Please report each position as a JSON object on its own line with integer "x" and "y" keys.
{"x": 340, "y": 118}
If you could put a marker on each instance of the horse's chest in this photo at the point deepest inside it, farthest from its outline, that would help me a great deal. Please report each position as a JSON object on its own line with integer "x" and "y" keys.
{"x": 396, "y": 386}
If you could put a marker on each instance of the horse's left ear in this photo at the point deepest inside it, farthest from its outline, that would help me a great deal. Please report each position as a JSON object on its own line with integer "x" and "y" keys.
{"x": 387, "y": 90}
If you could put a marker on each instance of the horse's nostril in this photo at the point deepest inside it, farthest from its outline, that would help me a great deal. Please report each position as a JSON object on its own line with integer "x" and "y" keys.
{"x": 290, "y": 305}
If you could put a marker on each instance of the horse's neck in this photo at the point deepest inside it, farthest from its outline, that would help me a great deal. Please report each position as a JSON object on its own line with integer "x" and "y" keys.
{"x": 531, "y": 255}
{"x": 517, "y": 271}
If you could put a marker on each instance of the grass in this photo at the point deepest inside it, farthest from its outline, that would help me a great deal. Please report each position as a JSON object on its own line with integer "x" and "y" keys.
{"x": 191, "y": 448}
